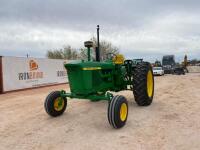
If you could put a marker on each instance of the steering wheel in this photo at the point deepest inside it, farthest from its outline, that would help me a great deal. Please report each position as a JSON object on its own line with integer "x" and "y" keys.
{"x": 126, "y": 62}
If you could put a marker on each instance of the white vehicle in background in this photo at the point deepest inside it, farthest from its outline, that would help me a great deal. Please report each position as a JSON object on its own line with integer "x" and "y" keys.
{"x": 158, "y": 71}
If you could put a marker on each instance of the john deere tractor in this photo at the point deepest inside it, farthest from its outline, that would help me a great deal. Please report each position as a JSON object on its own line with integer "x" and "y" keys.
{"x": 95, "y": 80}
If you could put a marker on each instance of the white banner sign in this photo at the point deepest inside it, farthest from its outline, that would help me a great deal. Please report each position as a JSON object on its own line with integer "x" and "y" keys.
{"x": 21, "y": 73}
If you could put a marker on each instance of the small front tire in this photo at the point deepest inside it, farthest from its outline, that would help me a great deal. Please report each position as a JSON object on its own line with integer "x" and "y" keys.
{"x": 54, "y": 104}
{"x": 118, "y": 111}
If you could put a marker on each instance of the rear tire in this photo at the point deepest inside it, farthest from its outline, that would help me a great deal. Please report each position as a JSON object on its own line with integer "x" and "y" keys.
{"x": 118, "y": 111}
{"x": 143, "y": 84}
{"x": 54, "y": 104}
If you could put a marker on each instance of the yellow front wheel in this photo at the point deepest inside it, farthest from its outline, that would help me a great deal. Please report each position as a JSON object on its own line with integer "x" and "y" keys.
{"x": 123, "y": 111}
{"x": 118, "y": 111}
{"x": 58, "y": 103}
{"x": 54, "y": 104}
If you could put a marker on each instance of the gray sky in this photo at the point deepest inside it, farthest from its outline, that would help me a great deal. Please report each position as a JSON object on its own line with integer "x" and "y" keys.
{"x": 144, "y": 28}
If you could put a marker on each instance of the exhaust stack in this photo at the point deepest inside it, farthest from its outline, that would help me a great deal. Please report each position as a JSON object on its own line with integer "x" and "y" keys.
{"x": 98, "y": 46}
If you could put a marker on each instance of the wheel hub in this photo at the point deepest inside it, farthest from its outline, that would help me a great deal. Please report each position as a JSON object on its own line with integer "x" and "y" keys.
{"x": 58, "y": 104}
{"x": 123, "y": 112}
{"x": 149, "y": 83}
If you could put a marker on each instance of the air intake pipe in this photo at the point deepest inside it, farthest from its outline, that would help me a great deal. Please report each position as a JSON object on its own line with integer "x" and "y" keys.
{"x": 97, "y": 50}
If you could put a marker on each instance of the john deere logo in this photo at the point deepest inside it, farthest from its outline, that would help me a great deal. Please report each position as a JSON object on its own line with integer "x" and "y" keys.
{"x": 33, "y": 65}
{"x": 33, "y": 74}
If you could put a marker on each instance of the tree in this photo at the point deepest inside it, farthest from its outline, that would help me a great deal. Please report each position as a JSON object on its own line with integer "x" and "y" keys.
{"x": 66, "y": 53}
{"x": 105, "y": 47}
{"x": 83, "y": 54}
{"x": 193, "y": 61}
{"x": 70, "y": 53}
{"x": 55, "y": 54}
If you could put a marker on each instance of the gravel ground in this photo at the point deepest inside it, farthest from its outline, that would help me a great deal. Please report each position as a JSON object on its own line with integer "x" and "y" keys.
{"x": 172, "y": 122}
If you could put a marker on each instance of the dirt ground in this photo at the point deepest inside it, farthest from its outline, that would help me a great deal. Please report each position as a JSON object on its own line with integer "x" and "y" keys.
{"x": 172, "y": 122}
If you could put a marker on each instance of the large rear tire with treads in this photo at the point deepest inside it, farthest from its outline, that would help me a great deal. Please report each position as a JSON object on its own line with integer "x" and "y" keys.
{"x": 143, "y": 84}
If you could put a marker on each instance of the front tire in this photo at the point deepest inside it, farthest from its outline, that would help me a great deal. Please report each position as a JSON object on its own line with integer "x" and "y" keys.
{"x": 143, "y": 84}
{"x": 118, "y": 111}
{"x": 54, "y": 104}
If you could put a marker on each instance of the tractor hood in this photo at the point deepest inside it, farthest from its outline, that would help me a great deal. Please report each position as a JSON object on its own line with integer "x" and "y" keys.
{"x": 88, "y": 65}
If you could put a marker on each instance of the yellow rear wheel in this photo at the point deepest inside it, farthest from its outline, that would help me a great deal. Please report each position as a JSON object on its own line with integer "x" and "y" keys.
{"x": 143, "y": 84}
{"x": 150, "y": 83}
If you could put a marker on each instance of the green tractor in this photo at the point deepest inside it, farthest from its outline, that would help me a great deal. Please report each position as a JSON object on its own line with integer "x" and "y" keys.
{"x": 94, "y": 80}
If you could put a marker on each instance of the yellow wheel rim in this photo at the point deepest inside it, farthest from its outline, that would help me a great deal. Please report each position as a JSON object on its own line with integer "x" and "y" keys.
{"x": 59, "y": 104}
{"x": 150, "y": 83}
{"x": 123, "y": 112}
